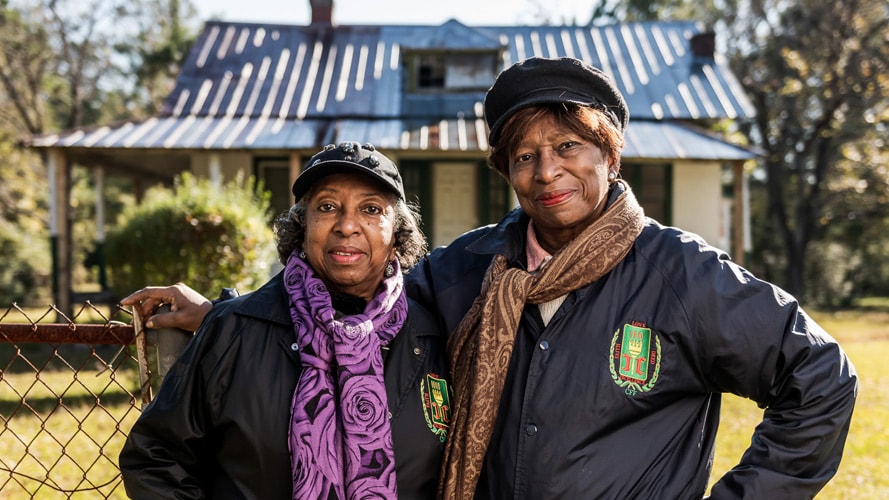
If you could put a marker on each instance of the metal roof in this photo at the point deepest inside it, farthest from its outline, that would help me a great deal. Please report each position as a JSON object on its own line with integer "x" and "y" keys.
{"x": 644, "y": 139}
{"x": 264, "y": 86}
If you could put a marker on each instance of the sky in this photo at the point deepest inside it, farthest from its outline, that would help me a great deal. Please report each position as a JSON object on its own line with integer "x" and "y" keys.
{"x": 469, "y": 12}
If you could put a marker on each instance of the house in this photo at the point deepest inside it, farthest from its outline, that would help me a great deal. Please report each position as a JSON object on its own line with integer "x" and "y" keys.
{"x": 261, "y": 98}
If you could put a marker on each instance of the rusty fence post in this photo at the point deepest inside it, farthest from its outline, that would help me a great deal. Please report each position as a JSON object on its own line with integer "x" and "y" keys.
{"x": 168, "y": 342}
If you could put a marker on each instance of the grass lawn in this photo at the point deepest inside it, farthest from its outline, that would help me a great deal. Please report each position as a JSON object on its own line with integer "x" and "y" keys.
{"x": 72, "y": 454}
{"x": 865, "y": 337}
{"x": 64, "y": 439}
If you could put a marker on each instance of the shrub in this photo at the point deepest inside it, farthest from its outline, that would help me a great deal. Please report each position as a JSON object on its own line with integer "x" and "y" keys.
{"x": 204, "y": 235}
{"x": 24, "y": 266}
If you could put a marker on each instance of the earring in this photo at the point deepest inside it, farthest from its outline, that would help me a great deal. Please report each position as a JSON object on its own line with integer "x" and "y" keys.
{"x": 302, "y": 254}
{"x": 612, "y": 176}
{"x": 390, "y": 270}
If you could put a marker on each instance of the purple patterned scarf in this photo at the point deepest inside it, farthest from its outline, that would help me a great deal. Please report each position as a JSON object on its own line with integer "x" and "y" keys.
{"x": 340, "y": 441}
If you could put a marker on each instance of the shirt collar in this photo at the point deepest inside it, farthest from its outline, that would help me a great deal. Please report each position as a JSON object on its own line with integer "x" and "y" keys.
{"x": 534, "y": 253}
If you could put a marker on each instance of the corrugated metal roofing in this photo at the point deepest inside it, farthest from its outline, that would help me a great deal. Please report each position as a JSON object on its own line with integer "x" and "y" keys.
{"x": 260, "y": 86}
{"x": 305, "y": 71}
{"x": 644, "y": 139}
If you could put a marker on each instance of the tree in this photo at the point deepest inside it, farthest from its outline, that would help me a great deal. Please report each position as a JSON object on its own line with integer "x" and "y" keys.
{"x": 56, "y": 54}
{"x": 818, "y": 75}
{"x": 23, "y": 63}
{"x": 850, "y": 260}
{"x": 66, "y": 64}
{"x": 609, "y": 11}
{"x": 164, "y": 40}
{"x": 23, "y": 190}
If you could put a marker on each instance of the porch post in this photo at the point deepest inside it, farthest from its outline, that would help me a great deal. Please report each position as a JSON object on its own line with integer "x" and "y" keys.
{"x": 59, "y": 173}
{"x": 739, "y": 213}
{"x": 215, "y": 168}
{"x": 100, "y": 227}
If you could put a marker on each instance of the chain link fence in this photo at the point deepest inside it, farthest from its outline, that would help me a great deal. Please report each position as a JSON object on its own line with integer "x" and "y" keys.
{"x": 70, "y": 389}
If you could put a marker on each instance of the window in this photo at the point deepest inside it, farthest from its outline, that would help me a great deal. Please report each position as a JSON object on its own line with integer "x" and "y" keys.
{"x": 415, "y": 176}
{"x": 430, "y": 72}
{"x": 652, "y": 185}
{"x": 437, "y": 71}
{"x": 275, "y": 176}
{"x": 470, "y": 71}
{"x": 494, "y": 195}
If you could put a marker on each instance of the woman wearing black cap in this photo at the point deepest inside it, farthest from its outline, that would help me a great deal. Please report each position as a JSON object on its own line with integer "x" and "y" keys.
{"x": 590, "y": 345}
{"x": 327, "y": 382}
{"x": 591, "y": 363}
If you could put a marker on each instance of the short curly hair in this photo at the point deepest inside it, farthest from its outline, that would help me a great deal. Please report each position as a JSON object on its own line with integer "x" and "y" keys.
{"x": 410, "y": 243}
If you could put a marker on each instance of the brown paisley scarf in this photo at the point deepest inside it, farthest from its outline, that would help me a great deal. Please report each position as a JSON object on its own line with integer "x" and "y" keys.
{"x": 481, "y": 346}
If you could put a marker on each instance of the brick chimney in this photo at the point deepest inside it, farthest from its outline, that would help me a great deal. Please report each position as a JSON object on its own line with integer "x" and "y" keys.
{"x": 322, "y": 11}
{"x": 703, "y": 44}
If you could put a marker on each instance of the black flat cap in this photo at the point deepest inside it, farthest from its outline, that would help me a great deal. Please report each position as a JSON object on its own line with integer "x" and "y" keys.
{"x": 349, "y": 157}
{"x": 539, "y": 80}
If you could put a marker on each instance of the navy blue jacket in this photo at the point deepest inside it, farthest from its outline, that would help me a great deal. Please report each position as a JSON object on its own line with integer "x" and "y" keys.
{"x": 619, "y": 395}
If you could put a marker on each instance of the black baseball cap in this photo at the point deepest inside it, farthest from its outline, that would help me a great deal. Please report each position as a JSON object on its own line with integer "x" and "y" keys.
{"x": 349, "y": 157}
{"x": 539, "y": 80}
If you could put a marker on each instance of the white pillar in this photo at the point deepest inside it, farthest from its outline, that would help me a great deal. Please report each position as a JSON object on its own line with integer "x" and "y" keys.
{"x": 51, "y": 168}
{"x": 100, "y": 227}
{"x": 215, "y": 167}
{"x": 745, "y": 189}
{"x": 100, "y": 204}
{"x": 59, "y": 176}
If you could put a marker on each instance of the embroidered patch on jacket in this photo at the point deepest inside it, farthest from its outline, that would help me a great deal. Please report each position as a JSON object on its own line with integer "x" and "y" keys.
{"x": 635, "y": 358}
{"x": 436, "y": 397}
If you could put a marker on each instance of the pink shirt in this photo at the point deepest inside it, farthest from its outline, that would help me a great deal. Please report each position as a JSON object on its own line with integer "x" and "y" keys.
{"x": 537, "y": 257}
{"x": 535, "y": 253}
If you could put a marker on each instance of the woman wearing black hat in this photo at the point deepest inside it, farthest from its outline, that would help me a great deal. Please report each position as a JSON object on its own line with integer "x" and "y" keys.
{"x": 591, "y": 363}
{"x": 590, "y": 345}
{"x": 327, "y": 382}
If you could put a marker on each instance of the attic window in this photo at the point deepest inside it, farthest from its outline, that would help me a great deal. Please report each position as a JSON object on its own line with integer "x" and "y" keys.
{"x": 453, "y": 72}
{"x": 430, "y": 72}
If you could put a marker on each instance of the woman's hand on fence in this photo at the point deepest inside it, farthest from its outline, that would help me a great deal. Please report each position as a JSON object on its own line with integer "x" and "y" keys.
{"x": 187, "y": 307}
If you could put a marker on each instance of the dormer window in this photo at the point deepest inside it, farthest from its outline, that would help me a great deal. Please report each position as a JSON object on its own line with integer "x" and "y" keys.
{"x": 430, "y": 72}
{"x": 451, "y": 72}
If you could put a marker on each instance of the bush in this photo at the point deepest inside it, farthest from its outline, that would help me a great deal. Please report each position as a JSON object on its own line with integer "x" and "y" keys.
{"x": 24, "y": 266}
{"x": 198, "y": 233}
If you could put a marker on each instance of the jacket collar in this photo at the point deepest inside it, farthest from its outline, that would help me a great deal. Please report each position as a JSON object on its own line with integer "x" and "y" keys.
{"x": 268, "y": 303}
{"x": 271, "y": 303}
{"x": 506, "y": 238}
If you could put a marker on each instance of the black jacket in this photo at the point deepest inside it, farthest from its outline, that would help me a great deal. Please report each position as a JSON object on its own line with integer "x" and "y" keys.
{"x": 619, "y": 395}
{"x": 218, "y": 426}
